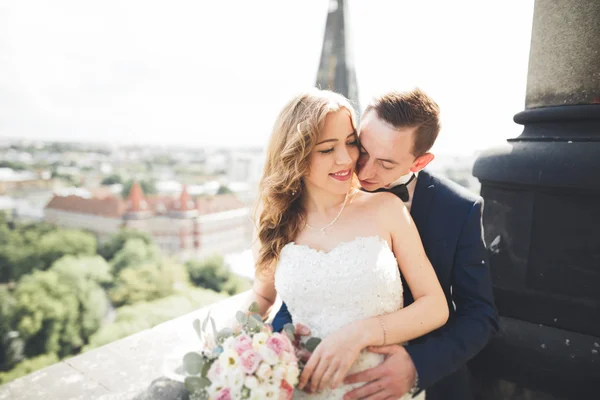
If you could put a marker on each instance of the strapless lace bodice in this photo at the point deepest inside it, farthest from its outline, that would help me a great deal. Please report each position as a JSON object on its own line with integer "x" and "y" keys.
{"x": 357, "y": 279}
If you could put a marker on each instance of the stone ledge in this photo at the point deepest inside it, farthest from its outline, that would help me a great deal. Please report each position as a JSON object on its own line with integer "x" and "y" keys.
{"x": 130, "y": 368}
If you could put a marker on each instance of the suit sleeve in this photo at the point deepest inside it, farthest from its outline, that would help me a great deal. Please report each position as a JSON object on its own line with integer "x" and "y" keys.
{"x": 282, "y": 317}
{"x": 475, "y": 319}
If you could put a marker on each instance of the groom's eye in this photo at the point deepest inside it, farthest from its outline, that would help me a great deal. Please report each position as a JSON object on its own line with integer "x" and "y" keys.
{"x": 386, "y": 166}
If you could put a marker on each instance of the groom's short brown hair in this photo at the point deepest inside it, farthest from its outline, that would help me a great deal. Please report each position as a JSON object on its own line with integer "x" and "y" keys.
{"x": 413, "y": 109}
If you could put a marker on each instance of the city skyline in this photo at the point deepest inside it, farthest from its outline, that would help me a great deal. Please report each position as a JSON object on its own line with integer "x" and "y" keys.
{"x": 202, "y": 75}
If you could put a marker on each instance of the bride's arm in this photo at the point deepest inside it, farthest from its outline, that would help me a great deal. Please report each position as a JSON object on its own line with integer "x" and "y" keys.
{"x": 263, "y": 290}
{"x": 430, "y": 309}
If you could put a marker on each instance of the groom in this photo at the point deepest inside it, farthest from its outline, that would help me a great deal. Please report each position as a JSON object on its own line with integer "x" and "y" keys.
{"x": 396, "y": 133}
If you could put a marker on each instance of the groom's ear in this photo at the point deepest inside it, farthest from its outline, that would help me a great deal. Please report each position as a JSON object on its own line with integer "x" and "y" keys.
{"x": 421, "y": 162}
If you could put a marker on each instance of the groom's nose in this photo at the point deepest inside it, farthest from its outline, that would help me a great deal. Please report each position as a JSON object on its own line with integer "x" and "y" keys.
{"x": 366, "y": 170}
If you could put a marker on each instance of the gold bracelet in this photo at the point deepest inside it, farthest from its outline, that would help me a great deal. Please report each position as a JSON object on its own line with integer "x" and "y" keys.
{"x": 384, "y": 330}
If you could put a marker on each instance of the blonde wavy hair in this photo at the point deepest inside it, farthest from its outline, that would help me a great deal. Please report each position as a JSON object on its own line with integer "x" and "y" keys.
{"x": 294, "y": 136}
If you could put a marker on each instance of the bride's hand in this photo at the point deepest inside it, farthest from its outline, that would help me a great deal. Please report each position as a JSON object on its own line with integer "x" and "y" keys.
{"x": 333, "y": 357}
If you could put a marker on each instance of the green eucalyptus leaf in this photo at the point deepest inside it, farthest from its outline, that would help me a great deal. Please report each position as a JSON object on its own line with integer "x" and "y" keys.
{"x": 254, "y": 325}
{"x": 224, "y": 334}
{"x": 214, "y": 327}
{"x": 254, "y": 307}
{"x": 241, "y": 317}
{"x": 197, "y": 328}
{"x": 205, "y": 367}
{"x": 196, "y": 384}
{"x": 192, "y": 362}
{"x": 256, "y": 317}
{"x": 312, "y": 344}
{"x": 205, "y": 323}
{"x": 290, "y": 331}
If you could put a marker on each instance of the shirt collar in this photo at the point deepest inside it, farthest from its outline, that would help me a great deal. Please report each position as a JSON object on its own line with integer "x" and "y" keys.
{"x": 403, "y": 179}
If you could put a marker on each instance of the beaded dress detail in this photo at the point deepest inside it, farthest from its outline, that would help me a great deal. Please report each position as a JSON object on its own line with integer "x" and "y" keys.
{"x": 355, "y": 280}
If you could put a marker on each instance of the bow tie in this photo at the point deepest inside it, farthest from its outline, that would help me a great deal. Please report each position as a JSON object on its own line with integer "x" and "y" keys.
{"x": 399, "y": 190}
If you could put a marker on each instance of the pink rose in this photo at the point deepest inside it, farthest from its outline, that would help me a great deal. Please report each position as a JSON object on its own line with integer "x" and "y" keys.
{"x": 242, "y": 343}
{"x": 214, "y": 372}
{"x": 224, "y": 394}
{"x": 277, "y": 344}
{"x": 250, "y": 361}
{"x": 286, "y": 391}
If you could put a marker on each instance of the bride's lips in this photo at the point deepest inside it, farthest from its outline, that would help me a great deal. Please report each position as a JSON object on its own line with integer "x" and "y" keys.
{"x": 343, "y": 175}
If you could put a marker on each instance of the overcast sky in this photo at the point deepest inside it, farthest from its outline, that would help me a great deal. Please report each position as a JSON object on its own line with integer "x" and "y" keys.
{"x": 217, "y": 72}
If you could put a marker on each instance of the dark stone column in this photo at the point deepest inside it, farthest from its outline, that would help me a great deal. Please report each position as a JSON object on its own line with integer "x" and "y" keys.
{"x": 336, "y": 68}
{"x": 542, "y": 215}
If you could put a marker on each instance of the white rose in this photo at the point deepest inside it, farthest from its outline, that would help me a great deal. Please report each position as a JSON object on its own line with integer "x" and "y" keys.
{"x": 251, "y": 382}
{"x": 257, "y": 394}
{"x": 227, "y": 344}
{"x": 278, "y": 373}
{"x": 272, "y": 392}
{"x": 264, "y": 371}
{"x": 291, "y": 375}
{"x": 259, "y": 340}
{"x": 268, "y": 355}
{"x": 234, "y": 380}
{"x": 229, "y": 360}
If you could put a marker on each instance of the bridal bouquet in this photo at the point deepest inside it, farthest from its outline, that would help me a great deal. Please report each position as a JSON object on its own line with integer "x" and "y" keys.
{"x": 249, "y": 361}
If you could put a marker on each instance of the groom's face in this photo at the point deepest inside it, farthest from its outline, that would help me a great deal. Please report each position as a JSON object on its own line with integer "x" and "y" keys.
{"x": 385, "y": 152}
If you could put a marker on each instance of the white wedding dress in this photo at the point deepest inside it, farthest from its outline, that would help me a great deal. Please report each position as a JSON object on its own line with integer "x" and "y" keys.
{"x": 355, "y": 280}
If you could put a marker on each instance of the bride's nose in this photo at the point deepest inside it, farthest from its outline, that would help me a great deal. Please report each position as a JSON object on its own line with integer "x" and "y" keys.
{"x": 343, "y": 157}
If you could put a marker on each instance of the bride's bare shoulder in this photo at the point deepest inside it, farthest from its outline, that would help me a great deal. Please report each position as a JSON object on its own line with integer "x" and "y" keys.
{"x": 380, "y": 202}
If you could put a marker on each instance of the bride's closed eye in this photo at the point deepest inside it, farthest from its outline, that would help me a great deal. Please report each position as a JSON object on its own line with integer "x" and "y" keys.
{"x": 353, "y": 143}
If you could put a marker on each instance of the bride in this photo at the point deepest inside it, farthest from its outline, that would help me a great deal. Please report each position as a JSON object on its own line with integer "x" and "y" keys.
{"x": 334, "y": 254}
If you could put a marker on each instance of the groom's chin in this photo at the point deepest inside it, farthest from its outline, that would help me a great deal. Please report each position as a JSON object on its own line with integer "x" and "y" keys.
{"x": 369, "y": 187}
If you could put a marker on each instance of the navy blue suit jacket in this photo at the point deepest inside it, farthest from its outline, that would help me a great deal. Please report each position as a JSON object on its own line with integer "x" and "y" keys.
{"x": 449, "y": 220}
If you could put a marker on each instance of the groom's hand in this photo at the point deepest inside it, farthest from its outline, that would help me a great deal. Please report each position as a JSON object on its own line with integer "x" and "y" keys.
{"x": 391, "y": 379}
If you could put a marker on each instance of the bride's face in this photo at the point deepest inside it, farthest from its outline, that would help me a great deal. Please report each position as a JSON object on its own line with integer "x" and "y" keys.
{"x": 333, "y": 159}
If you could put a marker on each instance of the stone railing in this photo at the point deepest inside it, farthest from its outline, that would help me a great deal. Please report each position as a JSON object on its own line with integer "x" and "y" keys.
{"x": 135, "y": 367}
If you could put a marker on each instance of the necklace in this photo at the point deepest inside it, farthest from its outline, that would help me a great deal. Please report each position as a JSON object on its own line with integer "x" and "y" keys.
{"x": 332, "y": 222}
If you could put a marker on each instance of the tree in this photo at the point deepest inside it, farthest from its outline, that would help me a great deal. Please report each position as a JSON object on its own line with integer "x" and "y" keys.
{"x": 59, "y": 309}
{"x": 112, "y": 180}
{"x": 144, "y": 283}
{"x": 59, "y": 243}
{"x": 117, "y": 242}
{"x": 210, "y": 273}
{"x": 148, "y": 187}
{"x": 11, "y": 345}
{"x": 134, "y": 253}
{"x": 224, "y": 190}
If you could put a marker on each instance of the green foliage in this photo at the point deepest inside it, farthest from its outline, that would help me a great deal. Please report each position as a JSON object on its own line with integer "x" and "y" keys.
{"x": 145, "y": 283}
{"x": 28, "y": 247}
{"x": 237, "y": 284}
{"x": 28, "y": 366}
{"x": 112, "y": 179}
{"x": 134, "y": 253}
{"x": 11, "y": 346}
{"x": 16, "y": 165}
{"x": 59, "y": 309}
{"x": 145, "y": 315}
{"x": 148, "y": 187}
{"x": 62, "y": 242}
{"x": 117, "y": 242}
{"x": 224, "y": 190}
{"x": 212, "y": 273}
